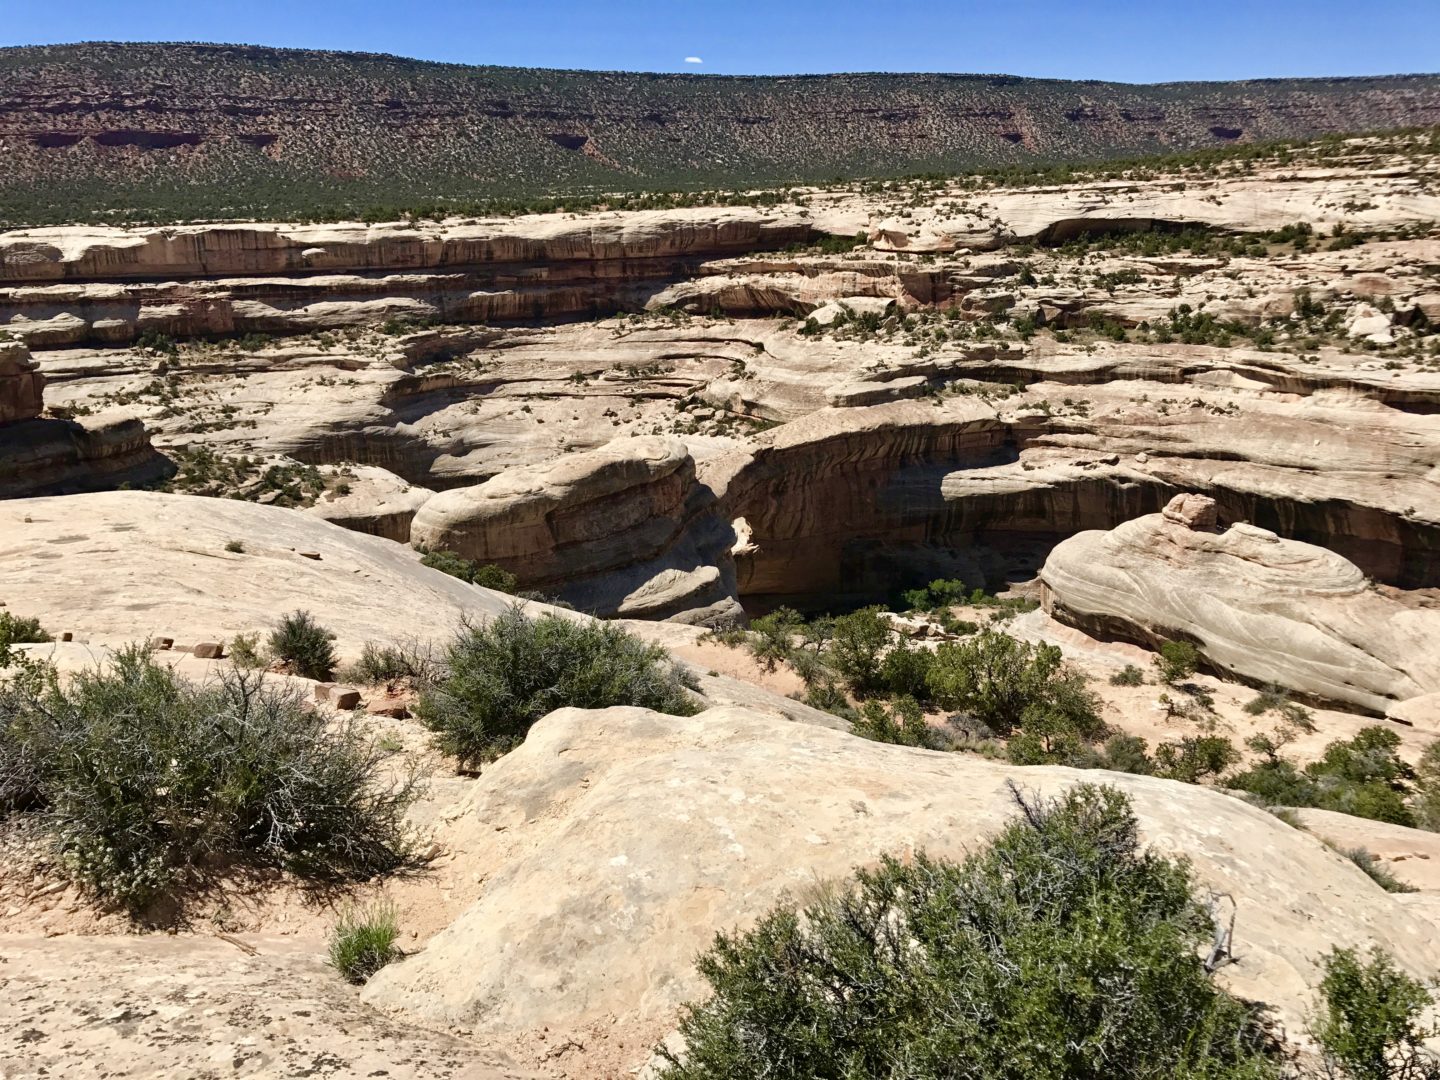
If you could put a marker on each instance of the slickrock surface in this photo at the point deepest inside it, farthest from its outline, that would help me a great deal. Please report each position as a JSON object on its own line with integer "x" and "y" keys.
{"x": 622, "y": 840}
{"x": 1266, "y": 609}
{"x": 129, "y": 565}
{"x": 1412, "y": 855}
{"x": 199, "y": 1006}
{"x": 47, "y": 455}
{"x": 928, "y": 380}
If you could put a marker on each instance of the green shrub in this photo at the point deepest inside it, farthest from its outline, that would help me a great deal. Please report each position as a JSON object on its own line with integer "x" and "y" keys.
{"x": 385, "y": 663}
{"x": 905, "y": 671}
{"x": 487, "y": 576}
{"x": 1426, "y": 804}
{"x": 1363, "y": 776}
{"x": 1178, "y": 660}
{"x": 500, "y": 677}
{"x": 1369, "y": 1024}
{"x": 245, "y": 651}
{"x": 305, "y": 645}
{"x": 1005, "y": 683}
{"x": 902, "y": 723}
{"x": 1129, "y": 675}
{"x": 1061, "y": 951}
{"x": 772, "y": 636}
{"x": 363, "y": 942}
{"x": 940, "y": 593}
{"x": 1195, "y": 757}
{"x": 15, "y": 630}
{"x": 148, "y": 781}
{"x": 1127, "y": 753}
{"x": 856, "y": 646}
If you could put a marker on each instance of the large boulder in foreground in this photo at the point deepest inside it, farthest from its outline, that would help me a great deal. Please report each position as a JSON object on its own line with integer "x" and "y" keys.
{"x": 616, "y": 843}
{"x": 621, "y": 530}
{"x": 1266, "y": 609}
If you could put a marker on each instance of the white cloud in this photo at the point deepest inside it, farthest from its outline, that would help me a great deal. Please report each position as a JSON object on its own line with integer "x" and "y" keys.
{"x": 693, "y": 60}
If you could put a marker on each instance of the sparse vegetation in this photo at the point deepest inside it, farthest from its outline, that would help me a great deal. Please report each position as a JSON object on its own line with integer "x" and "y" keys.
{"x": 1129, "y": 675}
{"x": 487, "y": 575}
{"x": 1178, "y": 660}
{"x": 1363, "y": 776}
{"x": 19, "y": 630}
{"x": 304, "y": 645}
{"x": 1376, "y": 871}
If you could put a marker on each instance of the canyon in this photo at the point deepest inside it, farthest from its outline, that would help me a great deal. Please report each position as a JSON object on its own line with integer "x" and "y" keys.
{"x": 1196, "y": 404}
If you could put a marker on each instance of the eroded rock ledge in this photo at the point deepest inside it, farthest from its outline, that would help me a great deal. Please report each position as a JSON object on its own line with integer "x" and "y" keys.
{"x": 43, "y": 456}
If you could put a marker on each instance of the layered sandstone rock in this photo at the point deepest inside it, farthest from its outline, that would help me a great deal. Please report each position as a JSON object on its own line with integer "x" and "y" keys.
{"x": 21, "y": 386}
{"x": 623, "y": 530}
{"x": 1266, "y": 609}
{"x": 619, "y": 842}
{"x": 52, "y": 456}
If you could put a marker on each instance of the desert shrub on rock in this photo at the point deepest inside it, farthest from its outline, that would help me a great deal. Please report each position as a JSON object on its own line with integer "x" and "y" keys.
{"x": 1370, "y": 1023}
{"x": 306, "y": 646}
{"x": 499, "y": 677}
{"x": 1129, "y": 675}
{"x": 1006, "y": 683}
{"x": 385, "y": 663}
{"x": 1195, "y": 757}
{"x": 148, "y": 782}
{"x": 1375, "y": 870}
{"x": 1178, "y": 660}
{"x": 855, "y": 650}
{"x": 1363, "y": 776}
{"x": 772, "y": 637}
{"x": 486, "y": 575}
{"x": 15, "y": 630}
{"x": 910, "y": 969}
{"x": 901, "y": 722}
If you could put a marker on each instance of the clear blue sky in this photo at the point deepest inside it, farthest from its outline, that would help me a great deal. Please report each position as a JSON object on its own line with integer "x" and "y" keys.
{"x": 1127, "y": 40}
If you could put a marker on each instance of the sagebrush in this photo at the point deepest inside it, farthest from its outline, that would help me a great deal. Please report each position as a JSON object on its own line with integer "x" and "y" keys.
{"x": 499, "y": 677}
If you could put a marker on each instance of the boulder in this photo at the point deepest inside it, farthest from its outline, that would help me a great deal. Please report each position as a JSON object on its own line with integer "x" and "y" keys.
{"x": 1191, "y": 511}
{"x": 208, "y": 650}
{"x": 616, "y": 843}
{"x": 1263, "y": 608}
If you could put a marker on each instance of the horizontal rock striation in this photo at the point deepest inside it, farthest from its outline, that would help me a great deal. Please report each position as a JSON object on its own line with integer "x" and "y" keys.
{"x": 1266, "y": 609}
{"x": 21, "y": 385}
{"x": 43, "y": 456}
{"x": 624, "y": 530}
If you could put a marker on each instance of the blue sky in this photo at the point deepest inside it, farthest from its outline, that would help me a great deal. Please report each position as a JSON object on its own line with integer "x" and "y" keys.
{"x": 1123, "y": 40}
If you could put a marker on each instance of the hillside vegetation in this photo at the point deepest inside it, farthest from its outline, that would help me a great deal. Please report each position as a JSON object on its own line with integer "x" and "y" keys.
{"x": 169, "y": 131}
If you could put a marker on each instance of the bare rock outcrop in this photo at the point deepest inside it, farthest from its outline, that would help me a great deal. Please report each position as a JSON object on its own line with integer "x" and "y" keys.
{"x": 21, "y": 385}
{"x": 622, "y": 840}
{"x": 142, "y": 564}
{"x": 1266, "y": 609}
{"x": 623, "y": 530}
{"x": 91, "y": 1006}
{"x": 41, "y": 455}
